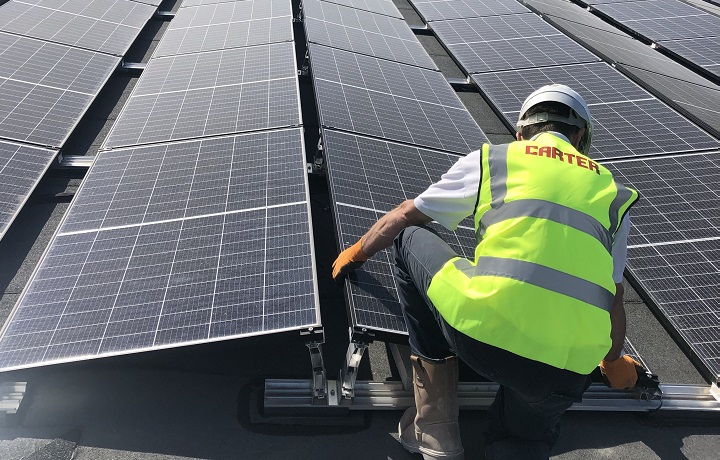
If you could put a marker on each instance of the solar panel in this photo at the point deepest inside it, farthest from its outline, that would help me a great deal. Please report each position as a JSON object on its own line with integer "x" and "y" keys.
{"x": 440, "y": 10}
{"x": 363, "y": 32}
{"x": 622, "y": 127}
{"x": 21, "y": 167}
{"x": 109, "y": 26}
{"x": 174, "y": 181}
{"x": 386, "y": 7}
{"x": 596, "y": 82}
{"x": 230, "y": 25}
{"x": 681, "y": 280}
{"x": 662, "y": 19}
{"x": 390, "y": 100}
{"x": 213, "y": 93}
{"x": 703, "y": 52}
{"x": 508, "y": 42}
{"x": 673, "y": 245}
{"x": 369, "y": 177}
{"x": 45, "y": 88}
{"x": 680, "y": 197}
{"x": 180, "y": 279}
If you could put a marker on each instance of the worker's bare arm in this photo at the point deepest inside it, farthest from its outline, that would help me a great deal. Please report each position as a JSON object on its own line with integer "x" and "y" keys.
{"x": 384, "y": 231}
{"x": 617, "y": 321}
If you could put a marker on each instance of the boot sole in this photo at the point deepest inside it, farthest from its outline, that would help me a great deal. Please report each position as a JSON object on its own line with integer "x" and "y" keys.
{"x": 429, "y": 454}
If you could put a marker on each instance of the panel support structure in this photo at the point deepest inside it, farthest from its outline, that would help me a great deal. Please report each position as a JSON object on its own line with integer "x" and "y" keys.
{"x": 349, "y": 371}
{"x": 293, "y": 394}
{"x": 319, "y": 379}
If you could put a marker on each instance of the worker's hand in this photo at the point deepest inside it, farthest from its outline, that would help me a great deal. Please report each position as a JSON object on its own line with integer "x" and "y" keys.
{"x": 621, "y": 372}
{"x": 348, "y": 260}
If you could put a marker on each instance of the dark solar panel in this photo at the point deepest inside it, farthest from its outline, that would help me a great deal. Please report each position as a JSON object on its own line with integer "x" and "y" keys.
{"x": 390, "y": 100}
{"x": 683, "y": 281}
{"x": 45, "y": 88}
{"x": 508, "y": 42}
{"x": 207, "y": 28}
{"x": 673, "y": 245}
{"x": 386, "y": 7}
{"x": 439, "y": 10}
{"x": 596, "y": 82}
{"x": 662, "y": 19}
{"x": 213, "y": 93}
{"x": 622, "y": 127}
{"x": 363, "y": 32}
{"x": 21, "y": 167}
{"x": 109, "y": 26}
{"x": 644, "y": 127}
{"x": 176, "y": 280}
{"x": 369, "y": 177}
{"x": 703, "y": 52}
{"x": 680, "y": 197}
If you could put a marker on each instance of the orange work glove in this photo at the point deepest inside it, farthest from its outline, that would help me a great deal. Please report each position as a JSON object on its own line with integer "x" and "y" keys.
{"x": 621, "y": 372}
{"x": 348, "y": 260}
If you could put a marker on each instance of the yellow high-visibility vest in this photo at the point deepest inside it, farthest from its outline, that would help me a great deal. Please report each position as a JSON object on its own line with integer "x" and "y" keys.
{"x": 541, "y": 283}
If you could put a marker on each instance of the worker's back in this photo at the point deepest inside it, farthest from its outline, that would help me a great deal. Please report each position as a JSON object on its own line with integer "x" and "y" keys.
{"x": 541, "y": 285}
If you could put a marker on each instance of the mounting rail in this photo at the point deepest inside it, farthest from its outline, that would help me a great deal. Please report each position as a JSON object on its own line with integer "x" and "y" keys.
{"x": 284, "y": 395}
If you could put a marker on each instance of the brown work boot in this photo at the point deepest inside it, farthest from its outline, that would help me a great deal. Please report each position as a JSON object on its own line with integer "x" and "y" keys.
{"x": 431, "y": 427}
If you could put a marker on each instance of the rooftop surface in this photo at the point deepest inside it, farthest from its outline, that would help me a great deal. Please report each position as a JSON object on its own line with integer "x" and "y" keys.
{"x": 201, "y": 401}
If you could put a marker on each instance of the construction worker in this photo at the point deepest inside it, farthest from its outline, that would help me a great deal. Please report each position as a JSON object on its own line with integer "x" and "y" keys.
{"x": 541, "y": 303}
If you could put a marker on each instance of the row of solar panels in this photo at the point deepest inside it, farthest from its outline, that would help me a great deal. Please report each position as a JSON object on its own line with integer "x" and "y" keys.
{"x": 383, "y": 105}
{"x": 690, "y": 33}
{"x": 193, "y": 224}
{"x": 177, "y": 237}
{"x": 55, "y": 57}
{"x": 673, "y": 248}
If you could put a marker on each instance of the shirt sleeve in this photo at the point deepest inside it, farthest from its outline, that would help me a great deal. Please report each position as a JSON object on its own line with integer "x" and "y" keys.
{"x": 619, "y": 249}
{"x": 454, "y": 196}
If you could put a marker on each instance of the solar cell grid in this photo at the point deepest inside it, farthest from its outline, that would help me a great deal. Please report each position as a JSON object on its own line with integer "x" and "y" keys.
{"x": 390, "y": 100}
{"x": 217, "y": 68}
{"x": 683, "y": 280}
{"x": 704, "y": 52}
{"x": 680, "y": 197}
{"x": 49, "y": 64}
{"x": 224, "y": 36}
{"x": 662, "y": 19}
{"x": 109, "y": 26}
{"x": 508, "y": 42}
{"x": 438, "y": 10}
{"x": 171, "y": 181}
{"x": 229, "y": 12}
{"x": 621, "y": 128}
{"x": 363, "y": 32}
{"x": 21, "y": 167}
{"x": 234, "y": 260}
{"x": 369, "y": 177}
{"x": 215, "y": 93}
{"x": 386, "y": 7}
{"x": 596, "y": 82}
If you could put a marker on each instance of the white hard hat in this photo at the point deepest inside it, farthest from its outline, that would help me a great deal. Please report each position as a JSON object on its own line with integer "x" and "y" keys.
{"x": 579, "y": 115}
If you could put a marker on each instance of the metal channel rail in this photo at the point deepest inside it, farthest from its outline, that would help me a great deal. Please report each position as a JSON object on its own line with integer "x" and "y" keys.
{"x": 285, "y": 394}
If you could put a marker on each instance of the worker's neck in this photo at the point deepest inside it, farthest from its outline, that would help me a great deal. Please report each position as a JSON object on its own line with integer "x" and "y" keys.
{"x": 554, "y": 133}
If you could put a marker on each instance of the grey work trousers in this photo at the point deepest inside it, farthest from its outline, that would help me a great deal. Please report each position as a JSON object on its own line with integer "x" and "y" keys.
{"x": 524, "y": 418}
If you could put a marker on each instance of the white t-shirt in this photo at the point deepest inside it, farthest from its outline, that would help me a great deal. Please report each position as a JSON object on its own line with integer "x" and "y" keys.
{"x": 453, "y": 198}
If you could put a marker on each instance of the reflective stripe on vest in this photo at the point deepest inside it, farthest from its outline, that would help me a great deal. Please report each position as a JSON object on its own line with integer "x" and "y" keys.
{"x": 541, "y": 276}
